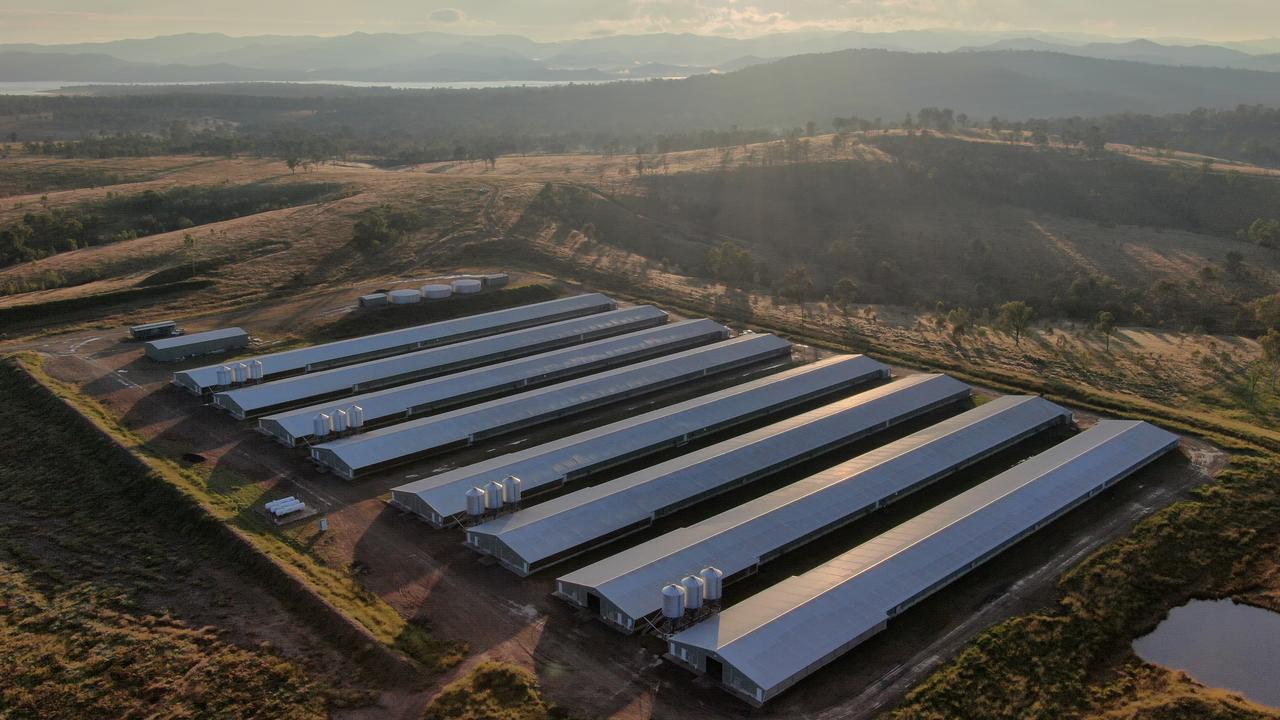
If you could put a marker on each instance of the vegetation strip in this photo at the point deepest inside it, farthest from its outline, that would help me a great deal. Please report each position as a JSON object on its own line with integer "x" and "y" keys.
{"x": 354, "y": 618}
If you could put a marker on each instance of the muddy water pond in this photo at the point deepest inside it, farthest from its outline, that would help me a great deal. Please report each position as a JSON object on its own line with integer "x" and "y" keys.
{"x": 1221, "y": 644}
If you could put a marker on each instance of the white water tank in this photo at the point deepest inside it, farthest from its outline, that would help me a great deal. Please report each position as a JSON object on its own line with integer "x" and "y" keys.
{"x": 475, "y": 502}
{"x": 279, "y": 501}
{"x": 404, "y": 297}
{"x": 493, "y": 495}
{"x": 340, "y": 421}
{"x": 224, "y": 376}
{"x": 289, "y": 507}
{"x": 355, "y": 417}
{"x": 467, "y": 286}
{"x": 672, "y": 602}
{"x": 693, "y": 592}
{"x": 712, "y": 583}
{"x": 242, "y": 372}
{"x": 236, "y": 377}
{"x": 511, "y": 490}
{"x": 436, "y": 291}
{"x": 255, "y": 370}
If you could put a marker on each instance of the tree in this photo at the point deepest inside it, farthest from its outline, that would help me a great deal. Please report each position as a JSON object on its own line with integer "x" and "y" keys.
{"x": 732, "y": 263}
{"x": 1107, "y": 326}
{"x": 1267, "y": 310}
{"x": 1235, "y": 263}
{"x": 1271, "y": 353}
{"x": 959, "y": 320}
{"x": 810, "y": 128}
{"x": 189, "y": 243}
{"x": 797, "y": 284}
{"x": 1014, "y": 318}
{"x": 844, "y": 292}
{"x": 293, "y": 162}
{"x": 1263, "y": 232}
{"x": 1094, "y": 142}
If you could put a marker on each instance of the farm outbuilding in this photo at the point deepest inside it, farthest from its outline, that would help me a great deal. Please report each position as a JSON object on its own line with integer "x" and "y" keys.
{"x": 395, "y": 342}
{"x": 763, "y": 645}
{"x": 398, "y": 369}
{"x": 181, "y": 347}
{"x": 543, "y": 535}
{"x": 420, "y": 398}
{"x": 626, "y": 587}
{"x": 440, "y": 499}
{"x": 352, "y": 457}
{"x": 148, "y": 331}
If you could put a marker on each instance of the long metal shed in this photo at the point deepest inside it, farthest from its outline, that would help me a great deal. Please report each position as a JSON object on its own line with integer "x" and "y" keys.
{"x": 147, "y": 331}
{"x": 180, "y": 347}
{"x": 440, "y": 499}
{"x": 768, "y": 642}
{"x": 538, "y": 537}
{"x": 351, "y": 457}
{"x": 345, "y": 352}
{"x": 626, "y": 588}
{"x": 253, "y": 400}
{"x": 428, "y": 396}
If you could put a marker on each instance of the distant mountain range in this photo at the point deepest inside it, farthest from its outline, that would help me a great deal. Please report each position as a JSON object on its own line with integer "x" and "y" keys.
{"x": 786, "y": 93}
{"x": 1146, "y": 51}
{"x": 442, "y": 57}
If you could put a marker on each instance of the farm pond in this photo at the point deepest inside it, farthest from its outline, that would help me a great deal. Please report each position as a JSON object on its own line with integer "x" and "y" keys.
{"x": 1222, "y": 644}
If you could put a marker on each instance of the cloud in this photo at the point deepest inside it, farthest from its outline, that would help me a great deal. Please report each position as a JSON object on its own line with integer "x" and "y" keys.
{"x": 446, "y": 15}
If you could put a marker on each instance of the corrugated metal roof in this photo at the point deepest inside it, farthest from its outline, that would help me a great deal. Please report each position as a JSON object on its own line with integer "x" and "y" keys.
{"x": 550, "y": 463}
{"x": 421, "y": 397}
{"x": 739, "y": 538}
{"x": 289, "y": 361}
{"x": 152, "y": 325}
{"x": 181, "y": 341}
{"x": 780, "y": 633}
{"x": 579, "y": 518}
{"x": 254, "y": 399}
{"x": 397, "y": 441}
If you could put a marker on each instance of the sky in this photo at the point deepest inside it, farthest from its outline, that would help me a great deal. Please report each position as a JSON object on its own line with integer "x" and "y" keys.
{"x": 61, "y": 21}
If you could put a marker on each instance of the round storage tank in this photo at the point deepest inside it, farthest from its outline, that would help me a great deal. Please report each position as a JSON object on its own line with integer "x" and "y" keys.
{"x": 322, "y": 425}
{"x": 672, "y": 602}
{"x": 475, "y": 502}
{"x": 692, "y": 585}
{"x": 339, "y": 421}
{"x": 404, "y": 297}
{"x": 511, "y": 490}
{"x": 493, "y": 495}
{"x": 355, "y": 417}
{"x": 436, "y": 292}
{"x": 712, "y": 582}
{"x": 467, "y": 286}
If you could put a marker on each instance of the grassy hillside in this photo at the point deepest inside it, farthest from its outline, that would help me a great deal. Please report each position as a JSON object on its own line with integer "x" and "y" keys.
{"x": 970, "y": 224}
{"x": 108, "y": 610}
